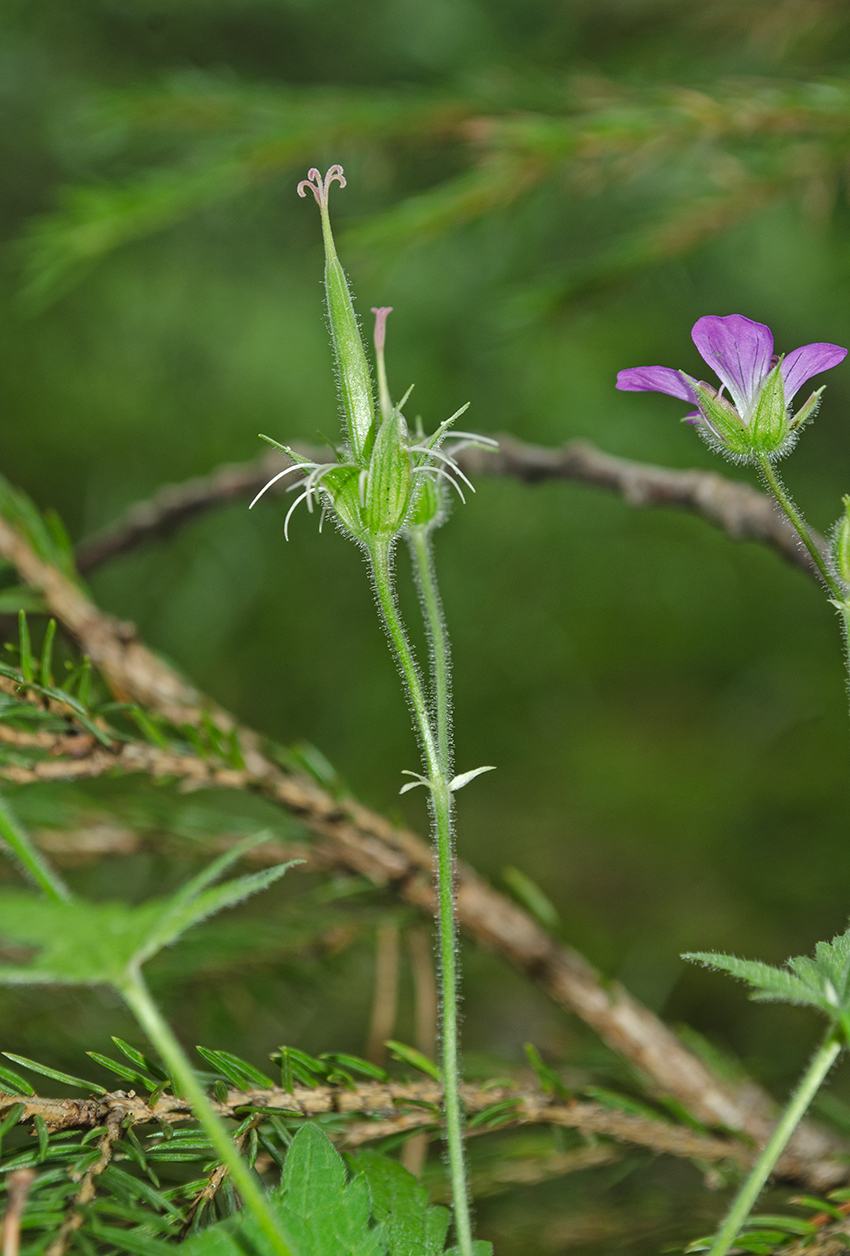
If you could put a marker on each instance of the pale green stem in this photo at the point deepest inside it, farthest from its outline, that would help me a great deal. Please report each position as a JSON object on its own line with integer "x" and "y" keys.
{"x": 798, "y": 523}
{"x": 810, "y": 1084}
{"x": 419, "y": 542}
{"x": 441, "y": 805}
{"x": 138, "y": 999}
{"x": 21, "y": 846}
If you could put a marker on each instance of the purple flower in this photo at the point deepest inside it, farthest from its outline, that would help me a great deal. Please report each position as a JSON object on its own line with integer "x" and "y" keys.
{"x": 760, "y": 386}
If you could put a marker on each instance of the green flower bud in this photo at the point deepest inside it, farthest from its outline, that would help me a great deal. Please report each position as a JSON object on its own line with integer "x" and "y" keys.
{"x": 390, "y": 480}
{"x": 429, "y": 504}
{"x": 355, "y": 380}
{"x": 841, "y": 543}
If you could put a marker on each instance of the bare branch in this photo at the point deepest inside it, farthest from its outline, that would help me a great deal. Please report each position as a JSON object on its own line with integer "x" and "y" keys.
{"x": 363, "y": 841}
{"x": 731, "y": 505}
{"x": 75, "y": 1216}
{"x": 388, "y": 1108}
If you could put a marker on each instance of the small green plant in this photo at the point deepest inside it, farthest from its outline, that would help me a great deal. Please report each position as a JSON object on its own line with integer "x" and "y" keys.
{"x": 384, "y": 485}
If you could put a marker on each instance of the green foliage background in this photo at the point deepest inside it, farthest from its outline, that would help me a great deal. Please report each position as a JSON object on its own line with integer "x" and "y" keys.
{"x": 665, "y": 706}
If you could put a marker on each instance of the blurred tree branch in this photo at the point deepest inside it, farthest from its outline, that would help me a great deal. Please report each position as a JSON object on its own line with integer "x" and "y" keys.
{"x": 693, "y": 162}
{"x": 393, "y": 1108}
{"x": 731, "y": 505}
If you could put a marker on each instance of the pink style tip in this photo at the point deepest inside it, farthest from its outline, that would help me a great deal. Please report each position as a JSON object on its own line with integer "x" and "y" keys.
{"x": 321, "y": 187}
{"x": 381, "y": 313}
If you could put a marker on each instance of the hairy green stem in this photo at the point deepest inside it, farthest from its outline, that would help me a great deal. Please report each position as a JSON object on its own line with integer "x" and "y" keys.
{"x": 138, "y": 999}
{"x": 441, "y": 808}
{"x": 798, "y": 523}
{"x": 22, "y": 849}
{"x": 810, "y": 1083}
{"x": 419, "y": 542}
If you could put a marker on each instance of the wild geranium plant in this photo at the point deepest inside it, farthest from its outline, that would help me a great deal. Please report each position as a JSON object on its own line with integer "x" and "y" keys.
{"x": 387, "y": 484}
{"x": 755, "y": 425}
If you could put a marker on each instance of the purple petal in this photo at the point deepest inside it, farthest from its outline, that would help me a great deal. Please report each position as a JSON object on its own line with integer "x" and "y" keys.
{"x": 803, "y": 363}
{"x": 661, "y": 379}
{"x": 738, "y": 351}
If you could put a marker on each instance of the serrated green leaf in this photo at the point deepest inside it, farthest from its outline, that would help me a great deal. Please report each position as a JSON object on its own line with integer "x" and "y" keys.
{"x": 414, "y": 1227}
{"x": 95, "y": 943}
{"x": 822, "y": 981}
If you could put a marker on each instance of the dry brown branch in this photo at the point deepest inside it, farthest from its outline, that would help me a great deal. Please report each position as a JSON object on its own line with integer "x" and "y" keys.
{"x": 16, "y": 1194}
{"x": 393, "y": 1108}
{"x": 75, "y": 1217}
{"x": 363, "y": 841}
{"x": 731, "y": 505}
{"x": 385, "y": 997}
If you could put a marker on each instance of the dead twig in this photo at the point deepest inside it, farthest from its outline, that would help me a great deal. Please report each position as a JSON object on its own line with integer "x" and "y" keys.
{"x": 17, "y": 1190}
{"x": 731, "y": 505}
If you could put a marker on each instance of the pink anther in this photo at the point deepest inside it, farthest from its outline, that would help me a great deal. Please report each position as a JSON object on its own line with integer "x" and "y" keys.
{"x": 381, "y": 325}
{"x": 321, "y": 187}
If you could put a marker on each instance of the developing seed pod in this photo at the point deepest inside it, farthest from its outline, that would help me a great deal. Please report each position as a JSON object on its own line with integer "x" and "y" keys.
{"x": 355, "y": 380}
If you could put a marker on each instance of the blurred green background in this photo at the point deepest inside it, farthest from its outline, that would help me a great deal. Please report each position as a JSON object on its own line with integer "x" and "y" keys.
{"x": 545, "y": 192}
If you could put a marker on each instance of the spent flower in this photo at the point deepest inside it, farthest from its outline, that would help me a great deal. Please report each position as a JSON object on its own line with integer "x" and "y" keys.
{"x": 755, "y": 419}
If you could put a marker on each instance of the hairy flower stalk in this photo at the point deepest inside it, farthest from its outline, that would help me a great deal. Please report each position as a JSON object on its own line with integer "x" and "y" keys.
{"x": 385, "y": 484}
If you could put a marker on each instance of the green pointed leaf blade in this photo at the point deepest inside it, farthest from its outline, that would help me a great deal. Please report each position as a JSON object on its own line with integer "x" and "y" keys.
{"x": 13, "y": 1083}
{"x": 409, "y": 1055}
{"x": 55, "y": 1074}
{"x": 237, "y": 1071}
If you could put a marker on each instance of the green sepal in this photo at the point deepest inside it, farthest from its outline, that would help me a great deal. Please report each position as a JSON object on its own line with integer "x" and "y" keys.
{"x": 390, "y": 480}
{"x": 841, "y": 542}
{"x": 769, "y": 424}
{"x": 343, "y": 485}
{"x": 723, "y": 418}
{"x": 807, "y": 411}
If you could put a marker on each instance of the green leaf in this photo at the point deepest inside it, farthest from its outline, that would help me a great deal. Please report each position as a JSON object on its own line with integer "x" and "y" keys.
{"x": 324, "y": 1215}
{"x": 54, "y": 1074}
{"x": 409, "y": 1055}
{"x": 14, "y": 1082}
{"x": 414, "y": 1227}
{"x": 242, "y": 1074}
{"x": 95, "y": 943}
{"x": 822, "y": 982}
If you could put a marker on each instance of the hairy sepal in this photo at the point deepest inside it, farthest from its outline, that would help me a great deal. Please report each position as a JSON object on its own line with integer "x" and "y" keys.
{"x": 389, "y": 485}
